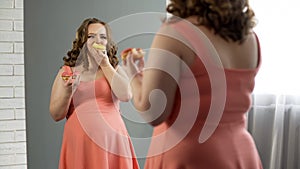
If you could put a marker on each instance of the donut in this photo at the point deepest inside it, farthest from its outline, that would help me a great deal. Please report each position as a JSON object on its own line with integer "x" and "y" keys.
{"x": 99, "y": 46}
{"x": 67, "y": 73}
{"x": 137, "y": 53}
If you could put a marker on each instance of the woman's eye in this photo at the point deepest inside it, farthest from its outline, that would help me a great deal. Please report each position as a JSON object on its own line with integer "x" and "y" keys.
{"x": 91, "y": 36}
{"x": 103, "y": 37}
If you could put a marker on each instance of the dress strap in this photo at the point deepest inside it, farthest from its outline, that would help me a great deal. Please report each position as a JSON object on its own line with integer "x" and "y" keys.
{"x": 258, "y": 51}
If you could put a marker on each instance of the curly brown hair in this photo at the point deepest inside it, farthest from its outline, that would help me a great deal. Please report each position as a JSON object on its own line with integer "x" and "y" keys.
{"x": 81, "y": 37}
{"x": 231, "y": 19}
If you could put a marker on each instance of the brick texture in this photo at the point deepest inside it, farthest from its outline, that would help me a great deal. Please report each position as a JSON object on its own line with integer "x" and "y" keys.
{"x": 12, "y": 96}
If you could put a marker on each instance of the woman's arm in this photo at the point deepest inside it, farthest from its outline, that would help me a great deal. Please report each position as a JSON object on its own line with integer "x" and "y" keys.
{"x": 117, "y": 79}
{"x": 154, "y": 90}
{"x": 60, "y": 97}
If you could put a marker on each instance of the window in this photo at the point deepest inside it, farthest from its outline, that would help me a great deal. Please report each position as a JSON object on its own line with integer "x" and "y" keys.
{"x": 278, "y": 29}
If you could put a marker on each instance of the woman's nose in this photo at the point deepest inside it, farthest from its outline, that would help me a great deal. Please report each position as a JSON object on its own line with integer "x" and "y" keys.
{"x": 98, "y": 39}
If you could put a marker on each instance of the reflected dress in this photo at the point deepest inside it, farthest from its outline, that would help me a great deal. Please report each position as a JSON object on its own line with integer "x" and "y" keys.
{"x": 95, "y": 136}
{"x": 175, "y": 144}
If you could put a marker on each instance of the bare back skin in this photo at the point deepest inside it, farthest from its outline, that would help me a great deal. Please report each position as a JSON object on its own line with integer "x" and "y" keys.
{"x": 232, "y": 55}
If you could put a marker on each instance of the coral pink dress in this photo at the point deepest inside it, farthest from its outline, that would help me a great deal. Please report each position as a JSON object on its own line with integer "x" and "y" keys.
{"x": 187, "y": 139}
{"x": 95, "y": 136}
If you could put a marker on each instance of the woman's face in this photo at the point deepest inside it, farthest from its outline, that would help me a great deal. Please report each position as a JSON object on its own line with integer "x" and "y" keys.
{"x": 97, "y": 33}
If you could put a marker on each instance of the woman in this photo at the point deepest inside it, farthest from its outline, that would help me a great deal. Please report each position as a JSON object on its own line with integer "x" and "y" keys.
{"x": 94, "y": 135}
{"x": 196, "y": 86}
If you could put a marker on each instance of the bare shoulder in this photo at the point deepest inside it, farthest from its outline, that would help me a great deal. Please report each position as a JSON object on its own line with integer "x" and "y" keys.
{"x": 169, "y": 39}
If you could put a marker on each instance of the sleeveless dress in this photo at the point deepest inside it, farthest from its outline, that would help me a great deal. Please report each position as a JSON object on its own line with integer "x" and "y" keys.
{"x": 95, "y": 136}
{"x": 181, "y": 142}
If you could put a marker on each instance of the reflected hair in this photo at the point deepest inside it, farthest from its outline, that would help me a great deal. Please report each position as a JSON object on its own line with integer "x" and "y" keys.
{"x": 231, "y": 19}
{"x": 81, "y": 37}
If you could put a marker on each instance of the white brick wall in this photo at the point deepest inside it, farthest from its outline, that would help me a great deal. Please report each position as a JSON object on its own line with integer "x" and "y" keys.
{"x": 12, "y": 96}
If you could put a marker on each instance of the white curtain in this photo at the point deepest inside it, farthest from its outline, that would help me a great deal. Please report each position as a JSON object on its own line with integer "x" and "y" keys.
{"x": 274, "y": 119}
{"x": 274, "y": 122}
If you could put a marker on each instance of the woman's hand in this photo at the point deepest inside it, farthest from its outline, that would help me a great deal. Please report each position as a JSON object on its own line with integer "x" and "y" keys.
{"x": 72, "y": 83}
{"x": 133, "y": 66}
{"x": 99, "y": 56}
